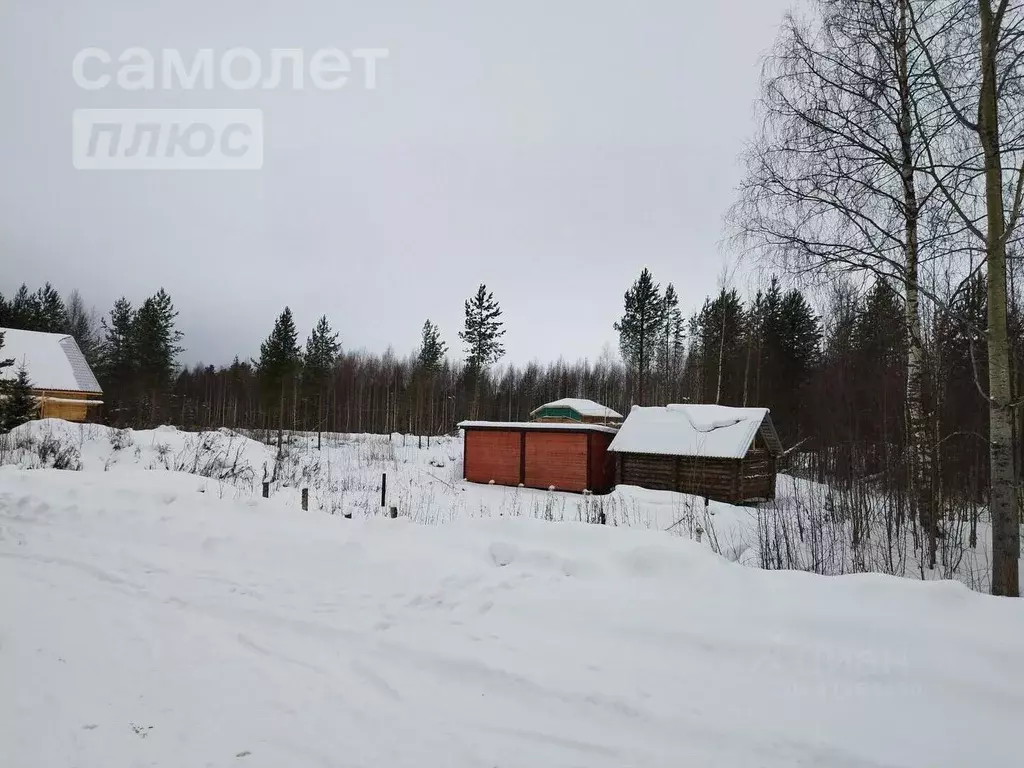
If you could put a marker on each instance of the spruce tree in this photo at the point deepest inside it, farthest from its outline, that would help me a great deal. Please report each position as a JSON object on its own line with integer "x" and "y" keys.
{"x": 279, "y": 363}
{"x": 18, "y": 404}
{"x": 432, "y": 348}
{"x": 321, "y": 355}
{"x": 4, "y": 363}
{"x": 879, "y": 353}
{"x": 640, "y": 329}
{"x": 155, "y": 340}
{"x": 81, "y": 325}
{"x": 24, "y": 310}
{"x": 720, "y": 349}
{"x": 51, "y": 314}
{"x": 117, "y": 355}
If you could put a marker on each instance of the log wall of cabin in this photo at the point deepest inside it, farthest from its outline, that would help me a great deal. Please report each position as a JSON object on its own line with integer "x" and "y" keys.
{"x": 729, "y": 480}
{"x": 56, "y": 405}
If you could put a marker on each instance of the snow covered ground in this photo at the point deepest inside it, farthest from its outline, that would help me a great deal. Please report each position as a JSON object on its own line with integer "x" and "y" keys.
{"x": 147, "y": 619}
{"x": 802, "y": 530}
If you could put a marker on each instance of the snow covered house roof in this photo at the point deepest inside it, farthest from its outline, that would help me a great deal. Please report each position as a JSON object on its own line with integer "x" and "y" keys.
{"x": 582, "y": 406}
{"x": 717, "y": 431}
{"x": 53, "y": 361}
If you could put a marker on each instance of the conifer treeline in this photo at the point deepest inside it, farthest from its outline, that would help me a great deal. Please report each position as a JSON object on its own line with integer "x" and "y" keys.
{"x": 835, "y": 382}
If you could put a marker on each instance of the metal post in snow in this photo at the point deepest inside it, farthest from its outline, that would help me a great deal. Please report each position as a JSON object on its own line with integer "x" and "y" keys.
{"x": 383, "y": 489}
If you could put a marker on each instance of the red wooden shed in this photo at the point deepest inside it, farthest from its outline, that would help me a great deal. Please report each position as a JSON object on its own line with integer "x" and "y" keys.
{"x": 570, "y": 457}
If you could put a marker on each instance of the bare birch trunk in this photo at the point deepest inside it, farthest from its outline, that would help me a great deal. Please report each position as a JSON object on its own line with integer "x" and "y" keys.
{"x": 1003, "y": 495}
{"x": 921, "y": 496}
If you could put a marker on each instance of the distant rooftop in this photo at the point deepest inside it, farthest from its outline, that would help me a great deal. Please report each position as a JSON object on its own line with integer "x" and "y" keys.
{"x": 540, "y": 426}
{"x": 582, "y": 406}
{"x": 53, "y": 361}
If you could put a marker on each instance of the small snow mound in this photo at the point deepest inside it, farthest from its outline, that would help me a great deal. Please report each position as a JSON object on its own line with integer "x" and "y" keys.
{"x": 503, "y": 553}
{"x": 660, "y": 561}
{"x": 166, "y": 428}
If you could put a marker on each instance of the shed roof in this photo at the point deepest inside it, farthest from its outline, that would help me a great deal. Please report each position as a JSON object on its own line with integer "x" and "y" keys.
{"x": 582, "y": 406}
{"x": 541, "y": 426}
{"x": 53, "y": 361}
{"x": 716, "y": 431}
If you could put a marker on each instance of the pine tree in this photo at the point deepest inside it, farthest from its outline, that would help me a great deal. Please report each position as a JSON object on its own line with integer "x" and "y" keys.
{"x": 671, "y": 346}
{"x": 432, "y": 348}
{"x": 483, "y": 331}
{"x": 155, "y": 340}
{"x": 279, "y": 363}
{"x": 321, "y": 356}
{"x": 640, "y": 328}
{"x": 18, "y": 404}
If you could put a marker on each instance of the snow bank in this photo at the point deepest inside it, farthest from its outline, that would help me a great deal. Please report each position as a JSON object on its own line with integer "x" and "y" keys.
{"x": 143, "y": 622}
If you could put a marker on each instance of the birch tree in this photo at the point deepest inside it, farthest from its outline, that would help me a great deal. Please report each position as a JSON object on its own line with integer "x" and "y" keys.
{"x": 973, "y": 52}
{"x": 835, "y": 182}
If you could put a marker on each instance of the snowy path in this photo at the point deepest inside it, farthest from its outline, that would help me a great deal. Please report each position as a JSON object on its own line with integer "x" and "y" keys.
{"x": 145, "y": 624}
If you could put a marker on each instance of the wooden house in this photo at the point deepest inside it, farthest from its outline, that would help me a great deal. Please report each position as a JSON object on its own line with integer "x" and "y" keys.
{"x": 565, "y": 456}
{"x": 575, "y": 409}
{"x": 723, "y": 453}
{"x": 62, "y": 381}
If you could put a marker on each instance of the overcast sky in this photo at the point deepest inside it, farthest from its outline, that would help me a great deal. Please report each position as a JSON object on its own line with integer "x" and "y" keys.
{"x": 550, "y": 149}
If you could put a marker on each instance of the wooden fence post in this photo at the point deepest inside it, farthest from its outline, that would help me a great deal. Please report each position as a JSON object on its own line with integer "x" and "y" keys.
{"x": 266, "y": 490}
{"x": 305, "y": 499}
{"x": 394, "y": 512}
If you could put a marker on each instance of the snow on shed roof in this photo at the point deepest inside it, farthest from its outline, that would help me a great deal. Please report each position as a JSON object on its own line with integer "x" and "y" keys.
{"x": 544, "y": 426}
{"x": 717, "y": 431}
{"x": 582, "y": 406}
{"x": 53, "y": 360}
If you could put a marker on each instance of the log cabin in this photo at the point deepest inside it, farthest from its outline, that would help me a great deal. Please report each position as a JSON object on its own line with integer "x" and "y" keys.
{"x": 719, "y": 452}
{"x": 62, "y": 381}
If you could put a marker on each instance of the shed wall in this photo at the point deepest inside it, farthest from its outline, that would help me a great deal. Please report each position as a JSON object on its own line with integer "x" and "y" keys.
{"x": 492, "y": 454}
{"x": 558, "y": 459}
{"x": 602, "y": 463}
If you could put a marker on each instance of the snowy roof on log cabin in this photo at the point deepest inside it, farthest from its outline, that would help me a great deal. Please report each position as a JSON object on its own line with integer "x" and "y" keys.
{"x": 540, "y": 426}
{"x": 53, "y": 361}
{"x": 582, "y": 406}
{"x": 716, "y": 431}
